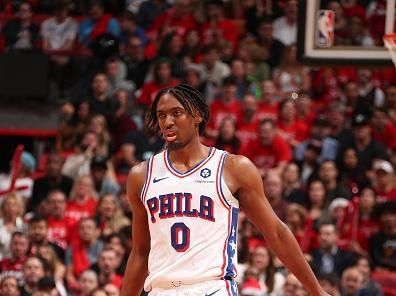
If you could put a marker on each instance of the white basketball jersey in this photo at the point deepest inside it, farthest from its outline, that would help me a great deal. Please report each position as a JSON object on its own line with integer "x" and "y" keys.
{"x": 193, "y": 220}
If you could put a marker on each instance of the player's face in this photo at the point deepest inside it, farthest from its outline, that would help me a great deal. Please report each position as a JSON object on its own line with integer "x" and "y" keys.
{"x": 177, "y": 126}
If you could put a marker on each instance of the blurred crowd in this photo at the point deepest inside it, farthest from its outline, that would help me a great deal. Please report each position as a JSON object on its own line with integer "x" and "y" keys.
{"x": 323, "y": 139}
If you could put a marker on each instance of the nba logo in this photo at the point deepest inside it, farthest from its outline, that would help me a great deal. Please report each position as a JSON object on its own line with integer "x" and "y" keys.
{"x": 325, "y": 29}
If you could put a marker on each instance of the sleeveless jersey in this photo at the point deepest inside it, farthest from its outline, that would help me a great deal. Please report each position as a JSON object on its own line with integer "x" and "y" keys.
{"x": 193, "y": 219}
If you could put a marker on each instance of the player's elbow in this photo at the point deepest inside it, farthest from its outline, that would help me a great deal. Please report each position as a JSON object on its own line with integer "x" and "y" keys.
{"x": 280, "y": 233}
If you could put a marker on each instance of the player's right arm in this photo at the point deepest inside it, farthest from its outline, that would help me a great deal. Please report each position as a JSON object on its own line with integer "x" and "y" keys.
{"x": 137, "y": 267}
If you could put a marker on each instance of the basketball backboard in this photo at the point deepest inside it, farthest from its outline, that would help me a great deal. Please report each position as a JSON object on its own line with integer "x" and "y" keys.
{"x": 329, "y": 34}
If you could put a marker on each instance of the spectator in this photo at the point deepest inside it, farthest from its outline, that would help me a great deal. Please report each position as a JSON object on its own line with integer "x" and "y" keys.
{"x": 47, "y": 286}
{"x": 13, "y": 265}
{"x": 88, "y": 282}
{"x": 339, "y": 129}
{"x": 316, "y": 202}
{"x": 59, "y": 33}
{"x": 194, "y": 76}
{"x": 357, "y": 34}
{"x": 83, "y": 252}
{"x": 116, "y": 72}
{"x": 238, "y": 71}
{"x": 299, "y": 223}
{"x": 53, "y": 179}
{"x": 109, "y": 217}
{"x": 293, "y": 287}
{"x": 82, "y": 202}
{"x": 268, "y": 101}
{"x": 270, "y": 280}
{"x": 119, "y": 244}
{"x": 390, "y": 102}
{"x": 227, "y": 105}
{"x": 290, "y": 76}
{"x": 97, "y": 24}
{"x": 162, "y": 78}
{"x": 328, "y": 258}
{"x": 309, "y": 164}
{"x": 178, "y": 19}
{"x": 9, "y": 286}
{"x": 285, "y": 27}
{"x": 384, "y": 181}
{"x": 247, "y": 124}
{"x": 367, "y": 148}
{"x": 59, "y": 225}
{"x": 330, "y": 283}
{"x": 370, "y": 287}
{"x": 72, "y": 126}
{"x": 171, "y": 48}
{"x": 38, "y": 232}
{"x": 351, "y": 282}
{"x": 11, "y": 212}
{"x": 320, "y": 132}
{"x": 351, "y": 174}
{"x": 56, "y": 267}
{"x": 21, "y": 33}
{"x": 381, "y": 243}
{"x": 370, "y": 93}
{"x": 130, "y": 28}
{"x": 292, "y": 130}
{"x": 33, "y": 271}
{"x": 217, "y": 29}
{"x": 328, "y": 173}
{"x": 273, "y": 191}
{"x": 266, "y": 39}
{"x": 227, "y": 139}
{"x": 214, "y": 70}
{"x": 107, "y": 264}
{"x": 135, "y": 61}
{"x": 100, "y": 175}
{"x": 192, "y": 47}
{"x": 78, "y": 164}
{"x": 383, "y": 129}
{"x": 98, "y": 125}
{"x": 100, "y": 101}
{"x": 337, "y": 211}
{"x": 292, "y": 192}
{"x": 150, "y": 10}
{"x": 269, "y": 151}
{"x": 306, "y": 109}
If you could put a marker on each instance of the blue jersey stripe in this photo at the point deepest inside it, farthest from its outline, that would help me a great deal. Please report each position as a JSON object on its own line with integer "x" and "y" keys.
{"x": 220, "y": 179}
{"x": 147, "y": 181}
{"x": 232, "y": 249}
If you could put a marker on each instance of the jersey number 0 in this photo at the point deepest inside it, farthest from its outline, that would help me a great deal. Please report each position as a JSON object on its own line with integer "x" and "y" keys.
{"x": 180, "y": 237}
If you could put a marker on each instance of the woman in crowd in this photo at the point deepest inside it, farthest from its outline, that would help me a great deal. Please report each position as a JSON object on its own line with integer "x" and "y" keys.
{"x": 98, "y": 125}
{"x": 109, "y": 215}
{"x": 316, "y": 202}
{"x": 11, "y": 213}
{"x": 291, "y": 184}
{"x": 227, "y": 139}
{"x": 291, "y": 76}
{"x": 270, "y": 280}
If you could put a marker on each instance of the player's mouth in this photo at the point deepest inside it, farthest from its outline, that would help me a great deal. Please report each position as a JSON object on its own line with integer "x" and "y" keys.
{"x": 170, "y": 136}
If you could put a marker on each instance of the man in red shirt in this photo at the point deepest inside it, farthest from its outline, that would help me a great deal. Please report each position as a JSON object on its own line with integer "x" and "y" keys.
{"x": 13, "y": 266}
{"x": 226, "y": 105}
{"x": 268, "y": 106}
{"x": 162, "y": 77}
{"x": 107, "y": 264}
{"x": 59, "y": 226}
{"x": 269, "y": 151}
{"x": 178, "y": 19}
{"x": 383, "y": 129}
{"x": 248, "y": 121}
{"x": 218, "y": 29}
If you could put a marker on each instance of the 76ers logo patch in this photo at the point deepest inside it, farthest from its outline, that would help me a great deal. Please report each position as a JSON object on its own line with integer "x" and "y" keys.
{"x": 205, "y": 173}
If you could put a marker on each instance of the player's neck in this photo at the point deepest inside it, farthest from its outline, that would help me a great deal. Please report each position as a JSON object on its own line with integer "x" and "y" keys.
{"x": 190, "y": 154}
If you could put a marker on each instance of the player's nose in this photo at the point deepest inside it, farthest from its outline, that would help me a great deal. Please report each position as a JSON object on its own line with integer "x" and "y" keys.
{"x": 169, "y": 121}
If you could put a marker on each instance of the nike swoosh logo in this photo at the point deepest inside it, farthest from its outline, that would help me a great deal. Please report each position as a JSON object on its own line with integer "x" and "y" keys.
{"x": 160, "y": 179}
{"x": 212, "y": 293}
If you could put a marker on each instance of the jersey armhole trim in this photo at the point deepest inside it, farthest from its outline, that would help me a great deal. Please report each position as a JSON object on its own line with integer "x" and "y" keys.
{"x": 149, "y": 169}
{"x": 219, "y": 180}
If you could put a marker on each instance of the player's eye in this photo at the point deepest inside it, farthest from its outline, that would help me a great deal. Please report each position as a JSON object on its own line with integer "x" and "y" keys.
{"x": 177, "y": 113}
{"x": 161, "y": 115}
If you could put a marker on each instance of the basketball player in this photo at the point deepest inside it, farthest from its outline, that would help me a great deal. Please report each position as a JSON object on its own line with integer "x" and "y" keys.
{"x": 185, "y": 203}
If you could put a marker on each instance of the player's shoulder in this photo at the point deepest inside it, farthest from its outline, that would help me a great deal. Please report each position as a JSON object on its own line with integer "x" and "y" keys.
{"x": 138, "y": 172}
{"x": 238, "y": 164}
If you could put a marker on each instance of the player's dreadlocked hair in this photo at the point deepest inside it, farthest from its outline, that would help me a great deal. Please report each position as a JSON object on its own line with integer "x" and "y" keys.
{"x": 190, "y": 98}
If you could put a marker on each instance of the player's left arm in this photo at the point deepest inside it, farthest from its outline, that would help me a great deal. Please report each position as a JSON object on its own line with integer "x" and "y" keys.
{"x": 244, "y": 179}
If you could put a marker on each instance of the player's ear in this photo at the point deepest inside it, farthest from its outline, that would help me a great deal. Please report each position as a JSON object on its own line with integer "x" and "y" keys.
{"x": 198, "y": 119}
